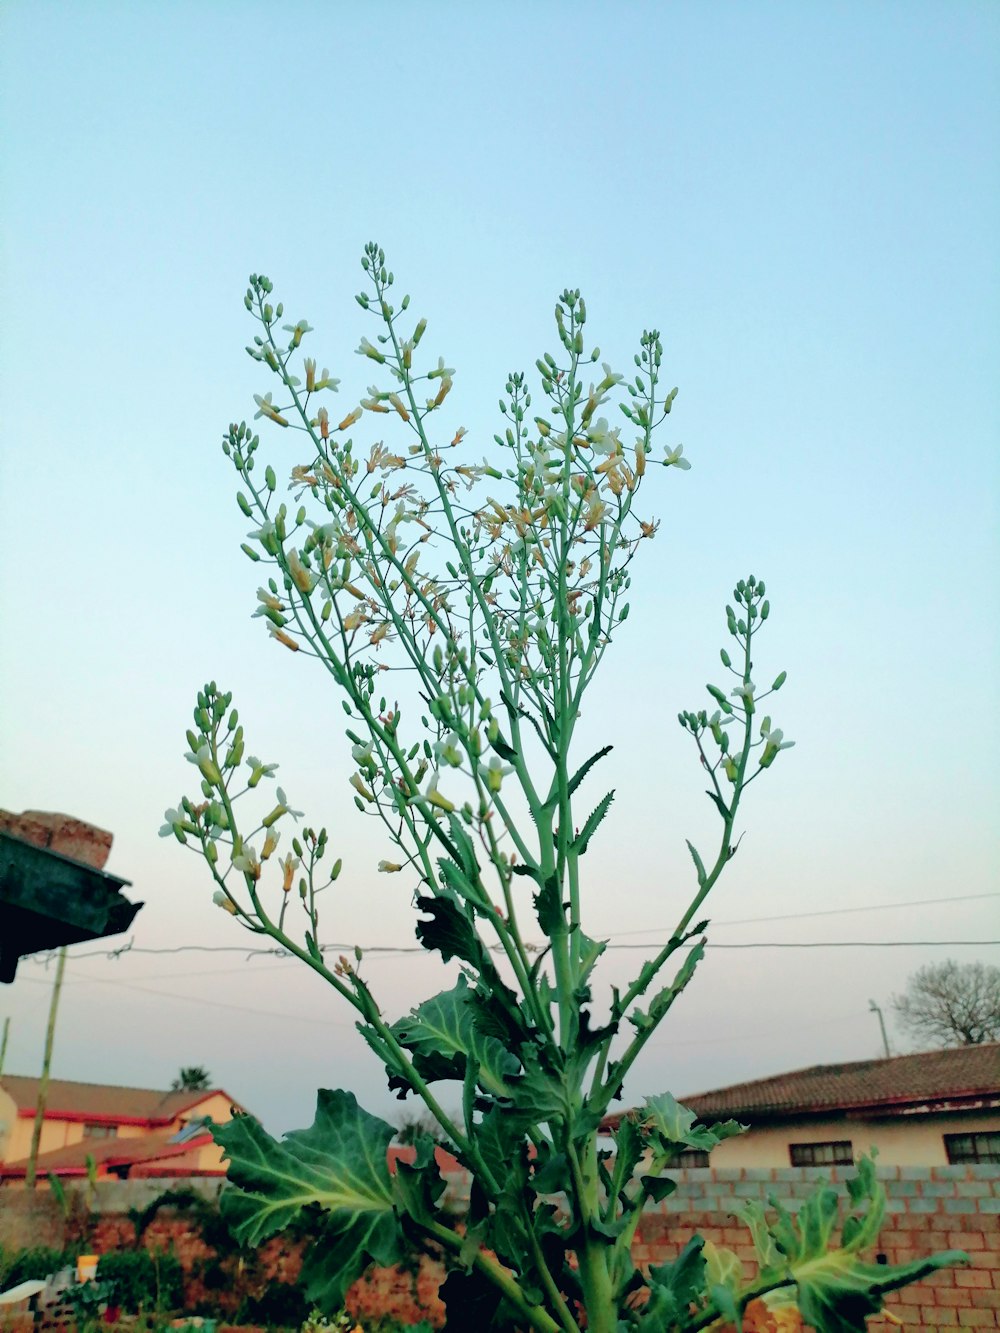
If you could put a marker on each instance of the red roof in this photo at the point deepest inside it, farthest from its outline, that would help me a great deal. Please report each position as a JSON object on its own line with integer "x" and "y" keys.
{"x": 101, "y": 1103}
{"x": 962, "y": 1077}
{"x": 145, "y": 1154}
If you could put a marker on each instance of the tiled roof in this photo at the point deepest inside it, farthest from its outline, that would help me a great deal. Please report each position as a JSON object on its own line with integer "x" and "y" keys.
{"x": 961, "y": 1073}
{"x": 102, "y": 1101}
{"x": 147, "y": 1149}
{"x": 958, "y": 1076}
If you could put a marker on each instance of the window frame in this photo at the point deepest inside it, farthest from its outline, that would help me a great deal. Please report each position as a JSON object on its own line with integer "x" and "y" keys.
{"x": 810, "y": 1149}
{"x": 988, "y": 1155}
{"x": 99, "y": 1129}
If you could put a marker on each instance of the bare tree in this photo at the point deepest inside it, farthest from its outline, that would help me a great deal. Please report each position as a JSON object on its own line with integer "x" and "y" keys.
{"x": 951, "y": 1004}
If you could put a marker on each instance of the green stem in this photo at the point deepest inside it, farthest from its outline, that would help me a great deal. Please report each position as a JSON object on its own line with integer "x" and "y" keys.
{"x": 503, "y": 1278}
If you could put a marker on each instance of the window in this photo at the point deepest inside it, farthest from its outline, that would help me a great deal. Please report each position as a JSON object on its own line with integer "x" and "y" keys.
{"x": 100, "y": 1131}
{"x": 839, "y": 1153}
{"x": 972, "y": 1148}
{"x": 689, "y": 1157}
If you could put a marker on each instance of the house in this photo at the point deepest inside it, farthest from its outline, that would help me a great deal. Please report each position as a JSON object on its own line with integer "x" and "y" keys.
{"x": 128, "y": 1132}
{"x": 930, "y": 1109}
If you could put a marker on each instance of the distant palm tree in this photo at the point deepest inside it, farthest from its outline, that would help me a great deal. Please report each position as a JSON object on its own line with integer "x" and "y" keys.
{"x": 192, "y": 1078}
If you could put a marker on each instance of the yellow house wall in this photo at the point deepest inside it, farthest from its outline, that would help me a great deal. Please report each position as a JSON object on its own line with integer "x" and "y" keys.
{"x": 16, "y": 1144}
{"x": 901, "y": 1140}
{"x": 217, "y": 1106}
{"x": 55, "y": 1134}
{"x": 8, "y": 1119}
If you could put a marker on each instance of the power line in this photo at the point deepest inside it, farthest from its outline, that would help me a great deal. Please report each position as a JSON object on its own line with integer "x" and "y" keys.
{"x": 396, "y": 950}
{"x": 829, "y": 911}
{"x": 618, "y": 934}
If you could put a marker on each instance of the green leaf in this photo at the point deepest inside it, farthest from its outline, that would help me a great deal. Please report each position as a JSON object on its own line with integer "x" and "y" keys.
{"x": 449, "y": 931}
{"x": 768, "y": 1254}
{"x": 590, "y": 828}
{"x": 338, "y": 1164}
{"x": 539, "y": 1096}
{"x": 418, "y": 1185}
{"x": 463, "y": 845}
{"x": 722, "y": 1267}
{"x": 550, "y": 909}
{"x": 455, "y": 878}
{"x": 584, "y": 769}
{"x": 674, "y": 1288}
{"x": 837, "y": 1294}
{"x": 834, "y": 1290}
{"x": 443, "y": 1032}
{"x": 677, "y": 1126}
{"x": 657, "y": 1188}
{"x": 698, "y": 863}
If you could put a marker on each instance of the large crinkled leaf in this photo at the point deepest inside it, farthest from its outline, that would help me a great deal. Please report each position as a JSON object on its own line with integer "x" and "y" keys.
{"x": 443, "y": 1034}
{"x": 838, "y": 1293}
{"x": 338, "y": 1165}
{"x": 676, "y": 1125}
{"x": 834, "y": 1290}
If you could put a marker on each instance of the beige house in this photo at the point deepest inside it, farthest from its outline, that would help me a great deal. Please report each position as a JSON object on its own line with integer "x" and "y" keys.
{"x": 126, "y": 1131}
{"x": 929, "y": 1109}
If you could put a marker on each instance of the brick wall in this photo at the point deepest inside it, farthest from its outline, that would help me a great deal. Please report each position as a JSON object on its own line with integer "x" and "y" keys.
{"x": 929, "y": 1209}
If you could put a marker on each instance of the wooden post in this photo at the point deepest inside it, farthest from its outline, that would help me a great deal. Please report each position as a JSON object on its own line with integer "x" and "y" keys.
{"x": 43, "y": 1085}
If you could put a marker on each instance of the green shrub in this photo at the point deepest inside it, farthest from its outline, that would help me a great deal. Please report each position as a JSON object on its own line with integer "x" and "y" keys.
{"x": 143, "y": 1281}
{"x": 37, "y": 1262}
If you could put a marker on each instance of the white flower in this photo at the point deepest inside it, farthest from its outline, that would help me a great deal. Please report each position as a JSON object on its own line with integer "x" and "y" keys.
{"x": 268, "y": 600}
{"x": 362, "y": 754}
{"x": 258, "y": 769}
{"x": 494, "y": 773}
{"x": 744, "y": 692}
{"x": 774, "y": 743}
{"x": 174, "y": 819}
{"x": 442, "y": 372}
{"x": 283, "y": 800}
{"x": 603, "y": 438}
{"x": 297, "y": 331}
{"x": 247, "y": 862}
{"x": 388, "y": 867}
{"x": 447, "y": 749}
{"x": 265, "y": 408}
{"x": 365, "y": 348}
{"x": 224, "y": 901}
{"x": 435, "y": 798}
{"x": 673, "y": 459}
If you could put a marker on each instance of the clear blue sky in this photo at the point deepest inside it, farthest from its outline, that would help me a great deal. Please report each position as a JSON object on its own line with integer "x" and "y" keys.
{"x": 804, "y": 198}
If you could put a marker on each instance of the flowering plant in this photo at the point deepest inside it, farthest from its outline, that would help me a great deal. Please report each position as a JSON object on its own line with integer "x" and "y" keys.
{"x": 497, "y": 587}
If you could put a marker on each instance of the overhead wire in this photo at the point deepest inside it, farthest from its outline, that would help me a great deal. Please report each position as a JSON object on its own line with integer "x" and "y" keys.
{"x": 392, "y": 950}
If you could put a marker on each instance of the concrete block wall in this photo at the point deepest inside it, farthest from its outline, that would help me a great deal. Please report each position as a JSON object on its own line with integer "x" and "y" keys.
{"x": 929, "y": 1209}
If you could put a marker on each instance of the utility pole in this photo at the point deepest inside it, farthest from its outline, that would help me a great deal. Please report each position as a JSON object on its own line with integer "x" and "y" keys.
{"x": 3, "y": 1042}
{"x": 43, "y": 1083}
{"x": 873, "y": 1008}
